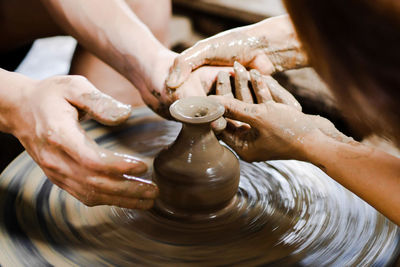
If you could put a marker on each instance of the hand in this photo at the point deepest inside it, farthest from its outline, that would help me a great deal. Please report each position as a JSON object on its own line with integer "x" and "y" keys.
{"x": 159, "y": 97}
{"x": 275, "y": 128}
{"x": 268, "y": 46}
{"x": 46, "y": 123}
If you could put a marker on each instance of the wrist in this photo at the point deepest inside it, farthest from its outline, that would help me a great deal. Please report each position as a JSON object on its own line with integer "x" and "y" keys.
{"x": 12, "y": 93}
{"x": 145, "y": 71}
{"x": 314, "y": 146}
{"x": 152, "y": 85}
{"x": 321, "y": 150}
{"x": 160, "y": 67}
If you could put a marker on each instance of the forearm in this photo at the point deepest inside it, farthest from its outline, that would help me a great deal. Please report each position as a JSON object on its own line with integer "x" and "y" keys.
{"x": 370, "y": 173}
{"x": 110, "y": 30}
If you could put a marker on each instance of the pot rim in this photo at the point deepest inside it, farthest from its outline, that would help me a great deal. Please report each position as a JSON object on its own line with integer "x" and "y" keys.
{"x": 196, "y": 110}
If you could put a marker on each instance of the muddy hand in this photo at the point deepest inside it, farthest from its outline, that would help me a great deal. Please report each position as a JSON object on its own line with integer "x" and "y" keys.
{"x": 268, "y": 46}
{"x": 47, "y": 125}
{"x": 159, "y": 97}
{"x": 278, "y": 129}
{"x": 221, "y": 50}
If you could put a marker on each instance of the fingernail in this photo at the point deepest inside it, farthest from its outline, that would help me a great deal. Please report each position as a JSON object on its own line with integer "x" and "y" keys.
{"x": 238, "y": 66}
{"x": 145, "y": 204}
{"x": 139, "y": 168}
{"x": 219, "y": 125}
{"x": 151, "y": 194}
{"x": 173, "y": 78}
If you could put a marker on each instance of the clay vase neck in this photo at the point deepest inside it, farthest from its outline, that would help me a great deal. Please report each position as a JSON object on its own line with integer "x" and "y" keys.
{"x": 196, "y": 175}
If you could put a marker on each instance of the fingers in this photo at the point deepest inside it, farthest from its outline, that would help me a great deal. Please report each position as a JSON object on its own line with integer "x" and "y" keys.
{"x": 241, "y": 139}
{"x": 280, "y": 94}
{"x": 123, "y": 202}
{"x": 103, "y": 108}
{"x": 129, "y": 186}
{"x": 69, "y": 137}
{"x": 111, "y": 162}
{"x": 260, "y": 87}
{"x": 232, "y": 141}
{"x": 224, "y": 87}
{"x": 238, "y": 110}
{"x": 263, "y": 64}
{"x": 242, "y": 90}
{"x": 218, "y": 125}
{"x": 234, "y": 136}
{"x": 128, "y": 192}
{"x": 184, "y": 64}
{"x": 93, "y": 198}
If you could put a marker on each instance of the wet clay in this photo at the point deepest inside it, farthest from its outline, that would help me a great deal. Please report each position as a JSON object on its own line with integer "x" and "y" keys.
{"x": 196, "y": 175}
{"x": 284, "y": 213}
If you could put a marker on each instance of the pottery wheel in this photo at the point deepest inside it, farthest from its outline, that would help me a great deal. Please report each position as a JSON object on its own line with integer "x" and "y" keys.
{"x": 285, "y": 213}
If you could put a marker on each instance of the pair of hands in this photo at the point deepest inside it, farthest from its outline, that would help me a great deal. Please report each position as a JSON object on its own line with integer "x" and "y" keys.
{"x": 46, "y": 121}
{"x": 274, "y": 126}
{"x": 44, "y": 116}
{"x": 271, "y": 126}
{"x": 52, "y": 136}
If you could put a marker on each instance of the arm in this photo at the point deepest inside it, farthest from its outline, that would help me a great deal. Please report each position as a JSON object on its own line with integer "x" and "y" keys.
{"x": 269, "y": 46}
{"x": 43, "y": 115}
{"x": 279, "y": 130}
{"x": 369, "y": 173}
{"x": 111, "y": 31}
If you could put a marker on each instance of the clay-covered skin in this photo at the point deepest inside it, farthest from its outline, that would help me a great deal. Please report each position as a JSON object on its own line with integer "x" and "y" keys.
{"x": 196, "y": 175}
{"x": 242, "y": 91}
{"x": 269, "y": 46}
{"x": 279, "y": 130}
{"x": 159, "y": 97}
{"x": 129, "y": 47}
{"x": 43, "y": 115}
{"x": 285, "y": 126}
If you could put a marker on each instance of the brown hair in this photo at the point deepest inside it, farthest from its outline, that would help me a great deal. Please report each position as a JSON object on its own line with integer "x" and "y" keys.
{"x": 355, "y": 46}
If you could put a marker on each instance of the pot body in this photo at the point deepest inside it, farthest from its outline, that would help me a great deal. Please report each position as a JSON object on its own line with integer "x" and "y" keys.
{"x": 196, "y": 174}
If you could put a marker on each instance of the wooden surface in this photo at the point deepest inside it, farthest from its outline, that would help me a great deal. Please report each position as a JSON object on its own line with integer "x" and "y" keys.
{"x": 246, "y": 10}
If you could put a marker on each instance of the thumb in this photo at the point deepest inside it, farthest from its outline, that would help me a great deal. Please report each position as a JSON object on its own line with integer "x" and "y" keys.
{"x": 98, "y": 105}
{"x": 179, "y": 72}
{"x": 238, "y": 110}
{"x": 186, "y": 62}
{"x": 86, "y": 152}
{"x": 263, "y": 64}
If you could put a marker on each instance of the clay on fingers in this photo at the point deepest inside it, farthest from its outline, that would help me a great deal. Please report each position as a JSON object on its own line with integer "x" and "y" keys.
{"x": 104, "y": 108}
{"x": 260, "y": 87}
{"x": 280, "y": 94}
{"x": 224, "y": 87}
{"x": 242, "y": 90}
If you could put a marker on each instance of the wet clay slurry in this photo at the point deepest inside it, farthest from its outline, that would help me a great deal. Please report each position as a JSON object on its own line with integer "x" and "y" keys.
{"x": 284, "y": 213}
{"x": 196, "y": 175}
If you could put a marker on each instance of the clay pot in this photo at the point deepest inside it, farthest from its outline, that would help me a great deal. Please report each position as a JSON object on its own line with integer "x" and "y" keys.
{"x": 196, "y": 175}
